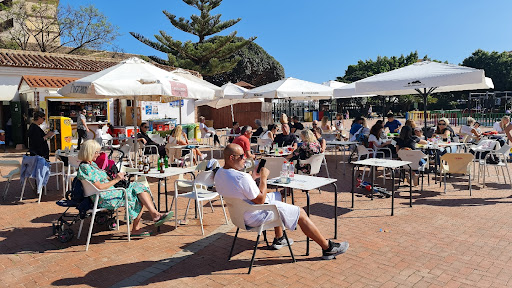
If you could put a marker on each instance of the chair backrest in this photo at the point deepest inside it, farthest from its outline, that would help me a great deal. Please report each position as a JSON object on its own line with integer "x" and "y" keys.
{"x": 361, "y": 150}
{"x": 13, "y": 163}
{"x": 486, "y": 144}
{"x": 157, "y": 139}
{"x": 172, "y": 152}
{"x": 89, "y": 188}
{"x": 414, "y": 156}
{"x": 237, "y": 209}
{"x": 458, "y": 163}
{"x": 205, "y": 178}
{"x": 315, "y": 161}
{"x": 73, "y": 161}
{"x": 274, "y": 166}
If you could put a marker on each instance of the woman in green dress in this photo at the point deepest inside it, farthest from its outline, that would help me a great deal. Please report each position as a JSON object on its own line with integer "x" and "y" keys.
{"x": 138, "y": 194}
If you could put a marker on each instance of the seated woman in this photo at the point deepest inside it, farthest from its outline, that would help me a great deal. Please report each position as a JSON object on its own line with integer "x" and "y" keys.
{"x": 407, "y": 139}
{"x": 418, "y": 132}
{"x": 270, "y": 133}
{"x": 138, "y": 194}
{"x": 444, "y": 130}
{"x": 178, "y": 137}
{"x": 234, "y": 130}
{"x": 325, "y": 125}
{"x": 376, "y": 142}
{"x": 469, "y": 129}
{"x": 309, "y": 147}
{"x": 317, "y": 131}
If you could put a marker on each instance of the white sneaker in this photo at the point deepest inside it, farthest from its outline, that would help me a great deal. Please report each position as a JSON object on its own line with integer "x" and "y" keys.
{"x": 203, "y": 156}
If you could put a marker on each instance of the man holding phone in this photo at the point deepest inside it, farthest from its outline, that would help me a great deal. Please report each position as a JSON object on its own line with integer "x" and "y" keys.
{"x": 230, "y": 181}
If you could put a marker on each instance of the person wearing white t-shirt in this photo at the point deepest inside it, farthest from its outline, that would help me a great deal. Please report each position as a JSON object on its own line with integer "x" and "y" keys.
{"x": 207, "y": 132}
{"x": 231, "y": 182}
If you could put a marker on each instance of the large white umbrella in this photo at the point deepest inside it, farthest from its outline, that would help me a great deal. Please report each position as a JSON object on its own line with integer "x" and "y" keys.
{"x": 138, "y": 80}
{"x": 349, "y": 91}
{"x": 233, "y": 94}
{"x": 424, "y": 78}
{"x": 190, "y": 77}
{"x": 334, "y": 84}
{"x": 291, "y": 88}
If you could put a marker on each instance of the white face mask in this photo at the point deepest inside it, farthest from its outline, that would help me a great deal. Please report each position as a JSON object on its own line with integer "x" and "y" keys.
{"x": 43, "y": 125}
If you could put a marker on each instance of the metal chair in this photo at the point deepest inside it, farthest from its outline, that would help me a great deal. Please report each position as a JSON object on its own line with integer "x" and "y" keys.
{"x": 502, "y": 155}
{"x": 12, "y": 174}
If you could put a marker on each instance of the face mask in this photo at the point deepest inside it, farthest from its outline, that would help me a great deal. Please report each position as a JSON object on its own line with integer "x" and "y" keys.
{"x": 43, "y": 125}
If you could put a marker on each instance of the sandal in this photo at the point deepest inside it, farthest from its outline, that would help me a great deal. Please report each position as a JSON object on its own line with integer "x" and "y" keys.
{"x": 163, "y": 218}
{"x": 143, "y": 234}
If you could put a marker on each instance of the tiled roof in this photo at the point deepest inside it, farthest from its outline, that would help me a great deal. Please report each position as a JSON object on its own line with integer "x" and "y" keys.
{"x": 47, "y": 81}
{"x": 31, "y": 59}
{"x": 245, "y": 85}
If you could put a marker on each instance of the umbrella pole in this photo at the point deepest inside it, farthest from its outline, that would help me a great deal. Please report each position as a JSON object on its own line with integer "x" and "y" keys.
{"x": 179, "y": 107}
{"x": 232, "y": 115}
{"x": 136, "y": 143}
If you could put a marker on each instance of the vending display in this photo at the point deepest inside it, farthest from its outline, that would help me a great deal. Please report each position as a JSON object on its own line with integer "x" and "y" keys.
{"x": 63, "y": 132}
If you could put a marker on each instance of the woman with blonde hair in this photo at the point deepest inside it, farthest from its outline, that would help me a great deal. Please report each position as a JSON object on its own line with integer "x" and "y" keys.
{"x": 179, "y": 138}
{"x": 138, "y": 194}
{"x": 309, "y": 147}
{"x": 325, "y": 125}
{"x": 283, "y": 119}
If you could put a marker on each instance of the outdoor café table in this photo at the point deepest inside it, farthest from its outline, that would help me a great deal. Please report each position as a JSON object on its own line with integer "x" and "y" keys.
{"x": 307, "y": 183}
{"x": 169, "y": 172}
{"x": 435, "y": 149}
{"x": 385, "y": 163}
{"x": 340, "y": 143}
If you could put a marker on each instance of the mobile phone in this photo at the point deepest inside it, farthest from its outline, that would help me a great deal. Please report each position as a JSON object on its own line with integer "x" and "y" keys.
{"x": 261, "y": 165}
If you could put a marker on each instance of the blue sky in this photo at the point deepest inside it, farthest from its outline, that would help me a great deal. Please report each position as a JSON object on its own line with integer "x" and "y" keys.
{"x": 317, "y": 40}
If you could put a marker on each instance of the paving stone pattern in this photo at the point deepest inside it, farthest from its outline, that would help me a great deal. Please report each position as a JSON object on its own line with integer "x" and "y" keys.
{"x": 444, "y": 240}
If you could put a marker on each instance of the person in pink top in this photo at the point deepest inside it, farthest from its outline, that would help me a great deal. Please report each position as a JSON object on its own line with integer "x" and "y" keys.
{"x": 244, "y": 140}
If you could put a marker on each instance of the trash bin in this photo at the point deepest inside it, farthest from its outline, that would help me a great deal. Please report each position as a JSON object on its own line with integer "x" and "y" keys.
{"x": 315, "y": 115}
{"x": 197, "y": 132}
{"x": 191, "y": 130}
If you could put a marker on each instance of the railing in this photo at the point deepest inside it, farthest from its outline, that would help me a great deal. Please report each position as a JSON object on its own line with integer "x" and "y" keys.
{"x": 456, "y": 117}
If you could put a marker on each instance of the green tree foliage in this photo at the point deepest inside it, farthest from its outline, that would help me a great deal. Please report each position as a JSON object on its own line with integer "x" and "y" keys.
{"x": 256, "y": 67}
{"x": 207, "y": 57}
{"x": 497, "y": 66}
{"x": 43, "y": 26}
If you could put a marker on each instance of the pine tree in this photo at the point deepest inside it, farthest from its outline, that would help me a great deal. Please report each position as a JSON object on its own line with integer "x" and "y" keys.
{"x": 206, "y": 57}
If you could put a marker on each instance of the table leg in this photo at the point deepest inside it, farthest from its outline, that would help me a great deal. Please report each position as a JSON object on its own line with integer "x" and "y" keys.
{"x": 159, "y": 195}
{"x": 291, "y": 192}
{"x": 307, "y": 211}
{"x": 410, "y": 186}
{"x": 435, "y": 165}
{"x": 335, "y": 210}
{"x": 393, "y": 192}
{"x": 373, "y": 182}
{"x": 336, "y": 157}
{"x": 352, "y": 190}
{"x": 166, "y": 200}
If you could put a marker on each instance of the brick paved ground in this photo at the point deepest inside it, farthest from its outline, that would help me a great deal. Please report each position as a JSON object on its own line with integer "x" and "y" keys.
{"x": 451, "y": 240}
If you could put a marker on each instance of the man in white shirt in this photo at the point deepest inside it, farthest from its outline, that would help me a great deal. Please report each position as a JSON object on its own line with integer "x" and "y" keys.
{"x": 207, "y": 132}
{"x": 231, "y": 182}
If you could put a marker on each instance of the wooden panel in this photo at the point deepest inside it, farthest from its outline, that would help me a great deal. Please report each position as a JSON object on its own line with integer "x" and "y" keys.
{"x": 245, "y": 114}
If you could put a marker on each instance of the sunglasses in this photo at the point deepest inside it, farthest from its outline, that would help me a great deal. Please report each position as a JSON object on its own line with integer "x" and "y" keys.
{"x": 314, "y": 124}
{"x": 441, "y": 124}
{"x": 241, "y": 156}
{"x": 97, "y": 152}
{"x": 145, "y": 126}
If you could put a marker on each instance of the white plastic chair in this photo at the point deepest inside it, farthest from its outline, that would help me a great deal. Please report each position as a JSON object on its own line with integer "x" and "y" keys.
{"x": 415, "y": 156}
{"x": 199, "y": 193}
{"x": 89, "y": 190}
{"x": 73, "y": 163}
{"x": 485, "y": 145}
{"x": 157, "y": 139}
{"x": 238, "y": 208}
{"x": 365, "y": 153}
{"x": 274, "y": 166}
{"x": 316, "y": 161}
{"x": 12, "y": 174}
{"x": 57, "y": 173}
{"x": 456, "y": 163}
{"x": 502, "y": 156}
